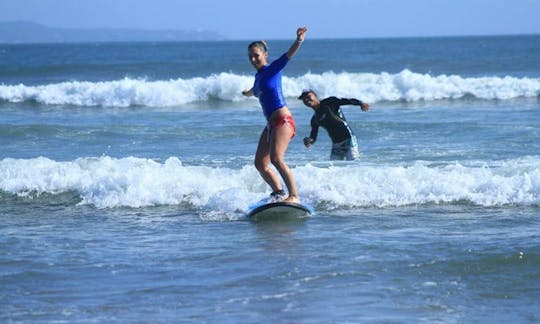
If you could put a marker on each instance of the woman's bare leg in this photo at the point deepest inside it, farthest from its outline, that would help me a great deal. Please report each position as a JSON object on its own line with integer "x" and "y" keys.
{"x": 262, "y": 162}
{"x": 279, "y": 141}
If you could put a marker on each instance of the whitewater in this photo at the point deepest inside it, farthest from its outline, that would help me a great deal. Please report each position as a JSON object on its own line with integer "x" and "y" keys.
{"x": 135, "y": 182}
{"x": 403, "y": 86}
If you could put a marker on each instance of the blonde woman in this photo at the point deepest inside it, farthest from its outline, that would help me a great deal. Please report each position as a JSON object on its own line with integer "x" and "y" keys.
{"x": 280, "y": 128}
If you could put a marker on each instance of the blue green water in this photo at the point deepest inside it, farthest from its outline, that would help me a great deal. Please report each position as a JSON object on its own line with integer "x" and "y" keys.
{"x": 126, "y": 171}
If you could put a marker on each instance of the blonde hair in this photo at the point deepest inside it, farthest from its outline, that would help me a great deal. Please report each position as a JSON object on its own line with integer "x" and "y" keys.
{"x": 260, "y": 44}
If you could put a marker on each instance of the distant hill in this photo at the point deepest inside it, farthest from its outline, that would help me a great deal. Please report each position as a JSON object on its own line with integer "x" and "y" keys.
{"x": 27, "y": 32}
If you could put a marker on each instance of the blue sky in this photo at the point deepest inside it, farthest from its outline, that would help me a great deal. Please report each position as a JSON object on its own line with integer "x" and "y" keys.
{"x": 277, "y": 19}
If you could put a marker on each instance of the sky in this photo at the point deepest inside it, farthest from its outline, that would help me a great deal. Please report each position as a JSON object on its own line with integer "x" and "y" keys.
{"x": 278, "y": 19}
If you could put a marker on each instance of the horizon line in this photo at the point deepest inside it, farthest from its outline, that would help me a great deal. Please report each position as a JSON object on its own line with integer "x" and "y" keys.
{"x": 224, "y": 37}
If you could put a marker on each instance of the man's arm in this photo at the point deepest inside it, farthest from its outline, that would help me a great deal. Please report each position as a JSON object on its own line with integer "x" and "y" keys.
{"x": 313, "y": 135}
{"x": 355, "y": 102}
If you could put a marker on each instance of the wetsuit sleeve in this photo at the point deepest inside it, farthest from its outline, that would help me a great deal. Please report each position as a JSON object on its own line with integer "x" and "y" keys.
{"x": 333, "y": 101}
{"x": 279, "y": 64}
{"x": 314, "y": 130}
{"x": 344, "y": 101}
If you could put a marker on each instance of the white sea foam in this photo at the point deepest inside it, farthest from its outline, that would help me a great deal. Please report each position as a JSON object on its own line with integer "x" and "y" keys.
{"x": 403, "y": 86}
{"x": 136, "y": 182}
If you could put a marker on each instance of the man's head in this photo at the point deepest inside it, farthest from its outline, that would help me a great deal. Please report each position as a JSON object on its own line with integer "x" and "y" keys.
{"x": 309, "y": 97}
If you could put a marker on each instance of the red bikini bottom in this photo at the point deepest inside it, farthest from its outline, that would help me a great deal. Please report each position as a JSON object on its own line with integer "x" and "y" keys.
{"x": 283, "y": 120}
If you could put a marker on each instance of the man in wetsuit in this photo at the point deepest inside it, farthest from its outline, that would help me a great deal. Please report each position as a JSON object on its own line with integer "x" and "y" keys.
{"x": 329, "y": 115}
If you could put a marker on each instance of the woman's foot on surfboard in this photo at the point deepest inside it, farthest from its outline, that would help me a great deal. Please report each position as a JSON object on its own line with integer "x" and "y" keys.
{"x": 292, "y": 199}
{"x": 278, "y": 195}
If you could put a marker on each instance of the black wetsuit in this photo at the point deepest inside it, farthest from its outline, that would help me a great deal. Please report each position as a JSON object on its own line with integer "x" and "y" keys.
{"x": 330, "y": 116}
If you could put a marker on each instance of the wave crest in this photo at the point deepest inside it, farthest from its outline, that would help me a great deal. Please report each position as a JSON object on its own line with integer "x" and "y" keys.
{"x": 136, "y": 182}
{"x": 403, "y": 86}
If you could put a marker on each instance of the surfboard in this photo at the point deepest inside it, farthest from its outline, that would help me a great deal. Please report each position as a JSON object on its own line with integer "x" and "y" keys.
{"x": 276, "y": 210}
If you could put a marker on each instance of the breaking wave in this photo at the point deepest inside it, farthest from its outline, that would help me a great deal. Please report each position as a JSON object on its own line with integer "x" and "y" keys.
{"x": 404, "y": 86}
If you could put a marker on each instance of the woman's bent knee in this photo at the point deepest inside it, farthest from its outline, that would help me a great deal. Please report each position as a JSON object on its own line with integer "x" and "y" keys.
{"x": 278, "y": 163}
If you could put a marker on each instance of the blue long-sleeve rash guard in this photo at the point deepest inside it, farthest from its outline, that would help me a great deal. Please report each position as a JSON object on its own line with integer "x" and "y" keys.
{"x": 267, "y": 86}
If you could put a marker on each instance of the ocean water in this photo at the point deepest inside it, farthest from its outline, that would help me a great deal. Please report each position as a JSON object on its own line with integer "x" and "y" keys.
{"x": 126, "y": 171}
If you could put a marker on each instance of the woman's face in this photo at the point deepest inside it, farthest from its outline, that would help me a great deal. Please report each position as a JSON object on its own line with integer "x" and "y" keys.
{"x": 257, "y": 57}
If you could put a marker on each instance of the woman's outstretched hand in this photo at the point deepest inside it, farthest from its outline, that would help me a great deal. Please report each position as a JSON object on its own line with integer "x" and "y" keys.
{"x": 300, "y": 33}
